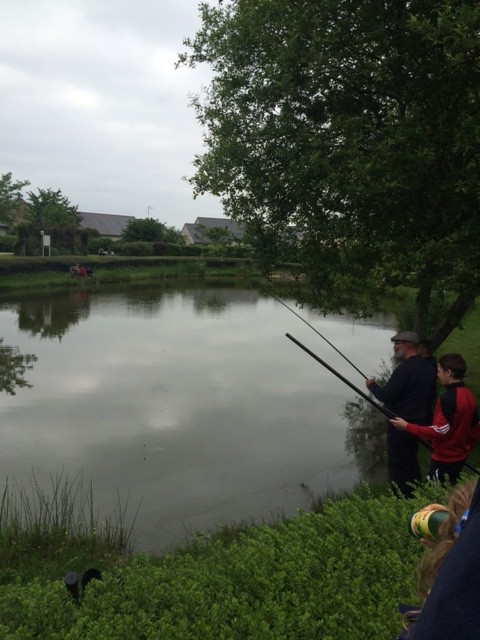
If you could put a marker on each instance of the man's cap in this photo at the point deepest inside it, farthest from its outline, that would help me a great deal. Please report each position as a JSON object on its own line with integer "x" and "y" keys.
{"x": 406, "y": 336}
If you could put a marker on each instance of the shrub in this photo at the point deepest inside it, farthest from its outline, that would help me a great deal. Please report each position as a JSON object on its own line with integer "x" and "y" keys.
{"x": 34, "y": 610}
{"x": 94, "y": 244}
{"x": 7, "y": 243}
{"x": 191, "y": 250}
{"x": 134, "y": 248}
{"x": 173, "y": 249}
{"x": 159, "y": 248}
{"x": 65, "y": 240}
{"x": 336, "y": 575}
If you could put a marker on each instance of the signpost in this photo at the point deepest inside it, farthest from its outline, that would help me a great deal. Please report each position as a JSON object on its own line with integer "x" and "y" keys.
{"x": 45, "y": 244}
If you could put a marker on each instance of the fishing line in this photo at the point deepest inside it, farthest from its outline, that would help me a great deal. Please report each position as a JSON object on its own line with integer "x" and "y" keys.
{"x": 318, "y": 333}
{"x": 384, "y": 410}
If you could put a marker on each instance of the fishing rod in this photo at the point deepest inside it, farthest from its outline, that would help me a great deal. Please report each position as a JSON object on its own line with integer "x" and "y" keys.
{"x": 366, "y": 397}
{"x": 318, "y": 333}
{"x": 384, "y": 410}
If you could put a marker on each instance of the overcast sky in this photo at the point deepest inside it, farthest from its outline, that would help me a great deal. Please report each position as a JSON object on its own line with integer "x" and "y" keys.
{"x": 91, "y": 104}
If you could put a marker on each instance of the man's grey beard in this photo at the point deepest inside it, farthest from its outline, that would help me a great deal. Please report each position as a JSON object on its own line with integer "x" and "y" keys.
{"x": 398, "y": 357}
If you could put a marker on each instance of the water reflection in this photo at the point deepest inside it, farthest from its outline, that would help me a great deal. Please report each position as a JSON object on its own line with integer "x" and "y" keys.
{"x": 13, "y": 367}
{"x": 215, "y": 301}
{"x": 366, "y": 440}
{"x": 188, "y": 396}
{"x": 367, "y": 434}
{"x": 53, "y": 316}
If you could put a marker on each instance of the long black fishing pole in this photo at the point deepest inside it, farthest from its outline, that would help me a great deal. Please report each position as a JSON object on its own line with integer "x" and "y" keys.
{"x": 384, "y": 410}
{"x": 318, "y": 333}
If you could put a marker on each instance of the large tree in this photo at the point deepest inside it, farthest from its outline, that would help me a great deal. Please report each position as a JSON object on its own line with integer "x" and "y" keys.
{"x": 10, "y": 197}
{"x": 358, "y": 123}
{"x": 50, "y": 208}
{"x": 148, "y": 230}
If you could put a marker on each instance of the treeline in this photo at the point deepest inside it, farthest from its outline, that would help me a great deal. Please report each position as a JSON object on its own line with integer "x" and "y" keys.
{"x": 67, "y": 241}
{"x": 49, "y": 213}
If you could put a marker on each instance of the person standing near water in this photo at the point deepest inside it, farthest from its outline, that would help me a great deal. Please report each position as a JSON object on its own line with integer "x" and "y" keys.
{"x": 455, "y": 428}
{"x": 409, "y": 393}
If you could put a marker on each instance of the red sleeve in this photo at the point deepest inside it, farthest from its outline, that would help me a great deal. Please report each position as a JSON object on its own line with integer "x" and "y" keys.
{"x": 475, "y": 434}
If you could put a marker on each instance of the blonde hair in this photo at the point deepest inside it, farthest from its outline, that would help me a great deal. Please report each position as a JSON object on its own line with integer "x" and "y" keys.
{"x": 459, "y": 499}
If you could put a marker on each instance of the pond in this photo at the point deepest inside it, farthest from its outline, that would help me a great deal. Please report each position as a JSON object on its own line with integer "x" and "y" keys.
{"x": 187, "y": 397}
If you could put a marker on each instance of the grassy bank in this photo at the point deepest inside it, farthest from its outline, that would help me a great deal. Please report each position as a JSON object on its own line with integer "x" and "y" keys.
{"x": 467, "y": 342}
{"x": 44, "y": 529}
{"x": 335, "y": 575}
{"x": 37, "y": 274}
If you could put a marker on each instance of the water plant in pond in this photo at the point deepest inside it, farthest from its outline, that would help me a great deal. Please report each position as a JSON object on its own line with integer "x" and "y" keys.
{"x": 44, "y": 531}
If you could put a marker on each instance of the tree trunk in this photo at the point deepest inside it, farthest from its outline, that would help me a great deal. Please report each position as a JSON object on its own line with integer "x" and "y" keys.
{"x": 422, "y": 306}
{"x": 453, "y": 317}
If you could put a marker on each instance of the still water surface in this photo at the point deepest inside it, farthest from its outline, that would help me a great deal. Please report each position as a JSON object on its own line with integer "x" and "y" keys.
{"x": 189, "y": 398}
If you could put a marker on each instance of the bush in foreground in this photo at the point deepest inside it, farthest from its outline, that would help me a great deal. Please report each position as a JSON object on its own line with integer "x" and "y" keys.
{"x": 334, "y": 575}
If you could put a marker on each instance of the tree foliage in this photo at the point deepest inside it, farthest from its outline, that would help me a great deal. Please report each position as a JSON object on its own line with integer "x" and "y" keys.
{"x": 52, "y": 209}
{"x": 338, "y": 574}
{"x": 357, "y": 123}
{"x": 10, "y": 195}
{"x": 217, "y": 235}
{"x": 148, "y": 230}
{"x": 66, "y": 239}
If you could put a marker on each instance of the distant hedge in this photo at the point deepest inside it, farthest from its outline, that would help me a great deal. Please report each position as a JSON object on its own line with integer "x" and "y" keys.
{"x": 25, "y": 265}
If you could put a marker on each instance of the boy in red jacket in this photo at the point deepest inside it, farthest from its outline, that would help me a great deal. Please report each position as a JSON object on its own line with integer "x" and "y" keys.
{"x": 455, "y": 427}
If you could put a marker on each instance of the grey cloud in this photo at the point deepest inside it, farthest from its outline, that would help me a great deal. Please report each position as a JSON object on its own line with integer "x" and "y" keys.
{"x": 92, "y": 104}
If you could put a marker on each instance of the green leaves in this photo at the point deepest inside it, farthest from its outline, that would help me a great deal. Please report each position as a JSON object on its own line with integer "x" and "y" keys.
{"x": 148, "y": 230}
{"x": 10, "y": 197}
{"x": 337, "y": 574}
{"x": 52, "y": 209}
{"x": 357, "y": 123}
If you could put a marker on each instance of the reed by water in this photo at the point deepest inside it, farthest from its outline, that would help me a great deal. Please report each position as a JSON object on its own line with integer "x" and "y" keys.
{"x": 57, "y": 526}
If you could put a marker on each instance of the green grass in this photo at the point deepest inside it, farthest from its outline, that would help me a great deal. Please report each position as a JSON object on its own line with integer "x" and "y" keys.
{"x": 47, "y": 531}
{"x": 466, "y": 340}
{"x": 119, "y": 272}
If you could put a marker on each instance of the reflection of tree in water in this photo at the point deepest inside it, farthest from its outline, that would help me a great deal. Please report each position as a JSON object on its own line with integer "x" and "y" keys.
{"x": 13, "y": 366}
{"x": 148, "y": 301}
{"x": 212, "y": 303}
{"x": 53, "y": 316}
{"x": 214, "y": 297}
{"x": 367, "y": 435}
{"x": 211, "y": 300}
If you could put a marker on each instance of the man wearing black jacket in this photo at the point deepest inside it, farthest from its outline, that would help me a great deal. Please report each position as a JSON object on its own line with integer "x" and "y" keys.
{"x": 409, "y": 394}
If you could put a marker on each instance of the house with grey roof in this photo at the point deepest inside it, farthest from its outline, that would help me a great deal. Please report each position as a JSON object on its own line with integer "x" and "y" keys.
{"x": 198, "y": 231}
{"x": 108, "y": 225}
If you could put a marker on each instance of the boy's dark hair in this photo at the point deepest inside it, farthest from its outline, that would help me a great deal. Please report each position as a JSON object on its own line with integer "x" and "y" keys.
{"x": 455, "y": 363}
